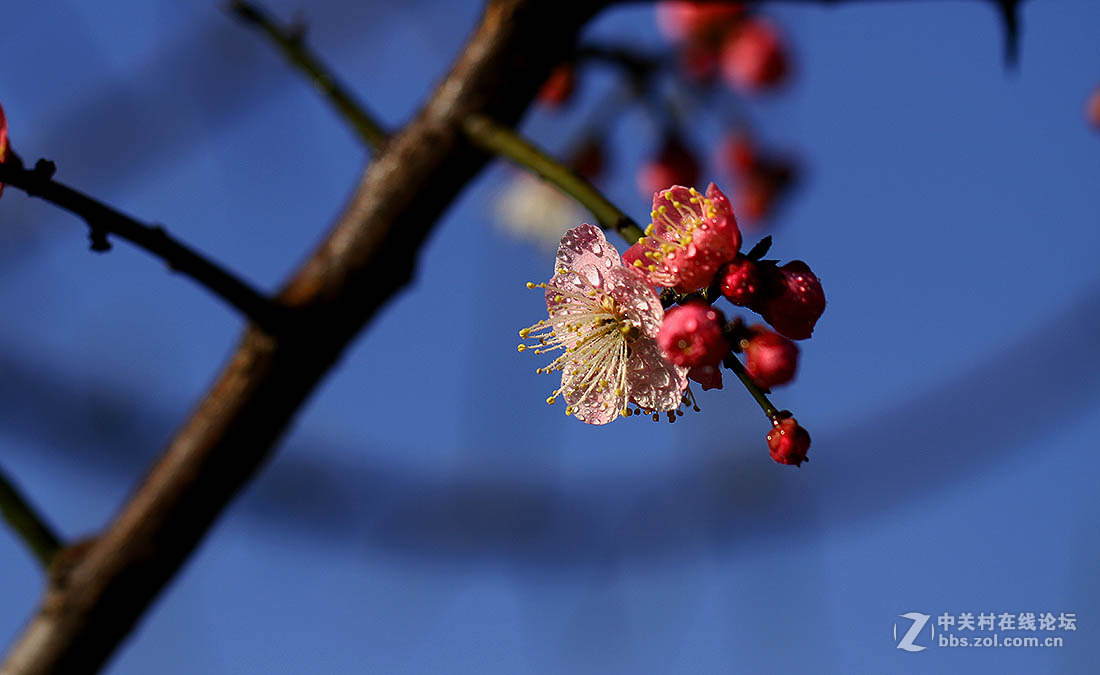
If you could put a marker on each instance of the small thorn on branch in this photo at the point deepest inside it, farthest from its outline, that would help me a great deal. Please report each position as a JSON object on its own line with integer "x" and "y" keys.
{"x": 97, "y": 240}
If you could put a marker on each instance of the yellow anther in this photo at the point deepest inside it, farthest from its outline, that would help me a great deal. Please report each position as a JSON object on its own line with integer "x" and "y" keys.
{"x": 550, "y": 401}
{"x": 530, "y": 284}
{"x": 521, "y": 348}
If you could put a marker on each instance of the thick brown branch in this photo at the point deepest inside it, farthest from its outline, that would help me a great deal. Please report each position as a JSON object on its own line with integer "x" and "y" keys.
{"x": 91, "y": 605}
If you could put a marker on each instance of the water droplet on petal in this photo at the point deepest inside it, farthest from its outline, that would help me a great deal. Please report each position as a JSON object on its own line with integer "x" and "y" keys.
{"x": 592, "y": 274}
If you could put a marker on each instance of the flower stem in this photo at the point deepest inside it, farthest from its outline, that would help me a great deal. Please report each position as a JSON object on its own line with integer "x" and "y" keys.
{"x": 770, "y": 410}
{"x": 103, "y": 220}
{"x": 289, "y": 40}
{"x": 498, "y": 139}
{"x": 27, "y": 523}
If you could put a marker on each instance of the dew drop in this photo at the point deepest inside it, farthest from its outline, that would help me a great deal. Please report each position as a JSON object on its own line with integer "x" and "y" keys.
{"x": 592, "y": 274}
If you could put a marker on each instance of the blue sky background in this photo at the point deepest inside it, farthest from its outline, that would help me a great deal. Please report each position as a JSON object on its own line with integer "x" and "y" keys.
{"x": 429, "y": 513}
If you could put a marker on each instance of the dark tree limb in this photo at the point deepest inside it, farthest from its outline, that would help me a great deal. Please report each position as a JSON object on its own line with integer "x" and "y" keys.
{"x": 103, "y": 220}
{"x": 91, "y": 605}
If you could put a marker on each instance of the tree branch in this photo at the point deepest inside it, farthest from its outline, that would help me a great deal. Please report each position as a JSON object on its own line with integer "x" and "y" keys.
{"x": 481, "y": 130}
{"x": 27, "y": 523}
{"x": 102, "y": 220}
{"x": 367, "y": 257}
{"x": 290, "y": 43}
{"x": 501, "y": 140}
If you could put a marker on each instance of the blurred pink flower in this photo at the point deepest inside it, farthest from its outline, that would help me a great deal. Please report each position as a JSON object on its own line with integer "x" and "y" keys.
{"x": 687, "y": 21}
{"x": 754, "y": 56}
{"x": 1092, "y": 109}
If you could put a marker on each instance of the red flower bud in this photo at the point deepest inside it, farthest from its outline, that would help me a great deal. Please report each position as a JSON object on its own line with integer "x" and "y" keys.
{"x": 740, "y": 281}
{"x": 699, "y": 61}
{"x": 792, "y": 300}
{"x": 691, "y": 335}
{"x": 770, "y": 358}
{"x": 788, "y": 442}
{"x": 755, "y": 197}
{"x": 559, "y": 87}
{"x": 753, "y": 56}
{"x": 680, "y": 20}
{"x": 1092, "y": 109}
{"x": 738, "y": 154}
{"x": 674, "y": 165}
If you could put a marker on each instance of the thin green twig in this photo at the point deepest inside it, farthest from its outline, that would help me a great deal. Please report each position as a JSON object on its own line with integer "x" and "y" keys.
{"x": 28, "y": 525}
{"x": 500, "y": 140}
{"x": 482, "y": 131}
{"x": 289, "y": 40}
{"x": 770, "y": 410}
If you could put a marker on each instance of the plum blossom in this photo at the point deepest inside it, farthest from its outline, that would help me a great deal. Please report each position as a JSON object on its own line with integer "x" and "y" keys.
{"x": 532, "y": 209}
{"x": 604, "y": 320}
{"x": 691, "y": 237}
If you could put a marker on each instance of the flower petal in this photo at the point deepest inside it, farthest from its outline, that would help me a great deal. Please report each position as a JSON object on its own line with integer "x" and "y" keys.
{"x": 637, "y": 298}
{"x": 654, "y": 382}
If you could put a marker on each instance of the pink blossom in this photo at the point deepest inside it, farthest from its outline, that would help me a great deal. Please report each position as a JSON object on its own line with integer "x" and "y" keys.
{"x": 680, "y": 20}
{"x": 604, "y": 319}
{"x": 691, "y": 236}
